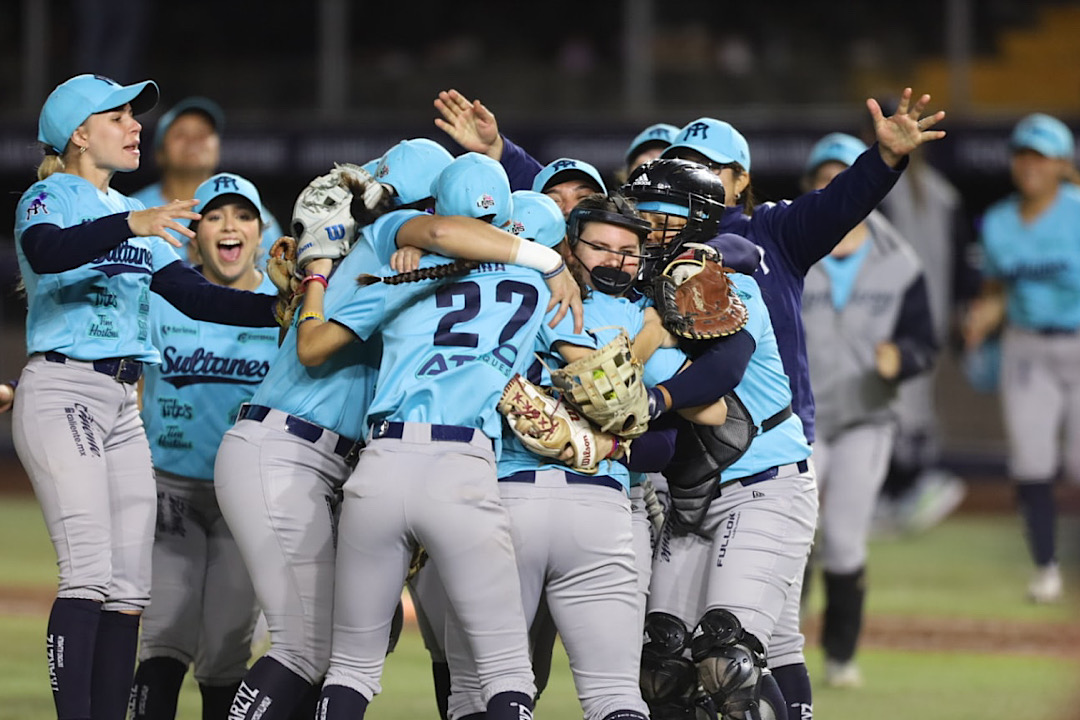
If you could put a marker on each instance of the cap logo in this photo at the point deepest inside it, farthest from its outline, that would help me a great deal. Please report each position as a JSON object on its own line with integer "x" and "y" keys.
{"x": 485, "y": 202}
{"x": 698, "y": 129}
{"x": 657, "y": 132}
{"x": 226, "y": 183}
{"x": 517, "y": 227}
{"x": 562, "y": 165}
{"x": 107, "y": 80}
{"x": 382, "y": 170}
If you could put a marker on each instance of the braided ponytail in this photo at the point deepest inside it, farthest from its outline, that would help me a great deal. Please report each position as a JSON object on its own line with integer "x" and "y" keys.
{"x": 438, "y": 272}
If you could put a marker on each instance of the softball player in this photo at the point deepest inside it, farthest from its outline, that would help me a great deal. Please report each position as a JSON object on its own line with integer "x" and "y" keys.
{"x": 791, "y": 237}
{"x": 187, "y": 151}
{"x": 1031, "y": 268}
{"x": 572, "y": 534}
{"x": 648, "y": 145}
{"x": 188, "y": 403}
{"x": 442, "y": 370}
{"x": 89, "y": 258}
{"x": 868, "y": 328}
{"x": 280, "y": 468}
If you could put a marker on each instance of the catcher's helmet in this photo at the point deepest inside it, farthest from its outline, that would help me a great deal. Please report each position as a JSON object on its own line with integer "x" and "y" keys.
{"x": 679, "y": 188}
{"x": 613, "y": 210}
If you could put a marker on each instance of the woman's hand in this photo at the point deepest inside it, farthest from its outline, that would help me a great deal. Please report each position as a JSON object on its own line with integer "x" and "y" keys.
{"x": 905, "y": 130}
{"x": 406, "y": 259}
{"x": 7, "y": 397}
{"x": 469, "y": 124}
{"x": 566, "y": 294}
{"x": 158, "y": 220}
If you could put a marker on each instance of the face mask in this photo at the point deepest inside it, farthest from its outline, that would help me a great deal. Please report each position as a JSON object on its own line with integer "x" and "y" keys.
{"x": 610, "y": 281}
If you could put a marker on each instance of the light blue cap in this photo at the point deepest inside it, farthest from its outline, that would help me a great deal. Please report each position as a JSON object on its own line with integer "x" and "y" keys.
{"x": 203, "y": 105}
{"x": 564, "y": 169}
{"x": 660, "y": 135}
{"x": 410, "y": 167}
{"x": 475, "y": 186}
{"x": 71, "y": 102}
{"x": 537, "y": 217}
{"x": 226, "y": 184}
{"x": 372, "y": 165}
{"x": 835, "y": 147}
{"x": 715, "y": 139}
{"x": 1045, "y": 135}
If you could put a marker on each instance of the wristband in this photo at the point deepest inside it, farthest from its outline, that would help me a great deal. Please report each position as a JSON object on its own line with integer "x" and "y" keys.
{"x": 556, "y": 271}
{"x": 614, "y": 447}
{"x": 311, "y": 316}
{"x": 538, "y": 257}
{"x": 656, "y": 403}
{"x": 314, "y": 277}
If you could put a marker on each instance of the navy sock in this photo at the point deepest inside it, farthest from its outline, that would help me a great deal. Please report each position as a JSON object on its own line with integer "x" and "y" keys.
{"x": 216, "y": 701}
{"x": 341, "y": 703}
{"x": 845, "y": 596}
{"x": 269, "y": 691}
{"x": 440, "y": 673}
{"x": 156, "y": 688}
{"x": 509, "y": 706}
{"x": 770, "y": 693}
{"x": 794, "y": 682}
{"x": 114, "y": 665}
{"x": 69, "y": 646}
{"x": 305, "y": 709}
{"x": 1036, "y": 500}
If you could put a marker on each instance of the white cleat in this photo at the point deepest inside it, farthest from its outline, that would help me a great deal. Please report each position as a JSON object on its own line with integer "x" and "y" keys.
{"x": 842, "y": 674}
{"x": 1046, "y": 586}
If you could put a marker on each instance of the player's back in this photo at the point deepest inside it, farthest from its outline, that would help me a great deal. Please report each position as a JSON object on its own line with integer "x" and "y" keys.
{"x": 448, "y": 355}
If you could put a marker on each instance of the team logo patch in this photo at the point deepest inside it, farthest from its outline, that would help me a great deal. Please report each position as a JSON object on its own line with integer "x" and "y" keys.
{"x": 485, "y": 202}
{"x": 563, "y": 165}
{"x": 37, "y": 206}
{"x": 225, "y": 183}
{"x": 516, "y": 227}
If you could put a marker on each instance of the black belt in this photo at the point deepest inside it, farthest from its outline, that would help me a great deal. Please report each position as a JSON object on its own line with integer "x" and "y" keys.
{"x": 1052, "y": 331}
{"x": 125, "y": 370}
{"x": 345, "y": 448}
{"x": 769, "y": 474}
{"x": 438, "y": 433}
{"x": 529, "y": 476}
{"x": 776, "y": 419}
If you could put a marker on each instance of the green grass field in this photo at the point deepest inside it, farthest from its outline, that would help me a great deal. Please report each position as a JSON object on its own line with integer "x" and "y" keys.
{"x": 970, "y": 567}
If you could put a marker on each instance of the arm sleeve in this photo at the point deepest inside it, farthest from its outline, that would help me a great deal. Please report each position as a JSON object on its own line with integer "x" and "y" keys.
{"x": 808, "y": 228}
{"x": 914, "y": 333}
{"x": 195, "y": 296}
{"x": 713, "y": 374}
{"x": 521, "y": 167}
{"x": 652, "y": 452}
{"x": 51, "y": 249}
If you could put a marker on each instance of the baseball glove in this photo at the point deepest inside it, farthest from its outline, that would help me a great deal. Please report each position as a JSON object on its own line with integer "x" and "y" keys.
{"x": 281, "y": 266}
{"x": 323, "y": 220}
{"x": 547, "y": 426}
{"x": 695, "y": 298}
{"x": 607, "y": 387}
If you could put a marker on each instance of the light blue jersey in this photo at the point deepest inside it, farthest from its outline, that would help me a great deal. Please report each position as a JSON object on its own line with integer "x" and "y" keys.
{"x": 1039, "y": 261}
{"x": 447, "y": 354}
{"x": 207, "y": 371}
{"x": 334, "y": 395}
{"x": 101, "y": 309}
{"x": 765, "y": 391}
{"x": 605, "y": 315}
{"x": 151, "y": 196}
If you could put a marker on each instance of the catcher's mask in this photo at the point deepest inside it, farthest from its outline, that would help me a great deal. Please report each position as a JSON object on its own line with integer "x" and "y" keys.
{"x": 613, "y": 210}
{"x": 684, "y": 202}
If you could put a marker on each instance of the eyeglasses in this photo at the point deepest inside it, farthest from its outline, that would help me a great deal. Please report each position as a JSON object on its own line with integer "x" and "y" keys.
{"x": 624, "y": 254}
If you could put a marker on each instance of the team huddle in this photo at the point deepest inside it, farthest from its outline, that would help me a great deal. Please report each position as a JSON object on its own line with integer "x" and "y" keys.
{"x": 540, "y": 406}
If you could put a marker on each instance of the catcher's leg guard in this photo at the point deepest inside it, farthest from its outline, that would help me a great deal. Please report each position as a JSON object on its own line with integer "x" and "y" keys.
{"x": 669, "y": 680}
{"x": 730, "y": 665}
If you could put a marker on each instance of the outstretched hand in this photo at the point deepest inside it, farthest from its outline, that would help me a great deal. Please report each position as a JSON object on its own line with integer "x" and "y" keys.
{"x": 899, "y": 134}
{"x": 469, "y": 124}
{"x": 7, "y": 396}
{"x": 156, "y": 220}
